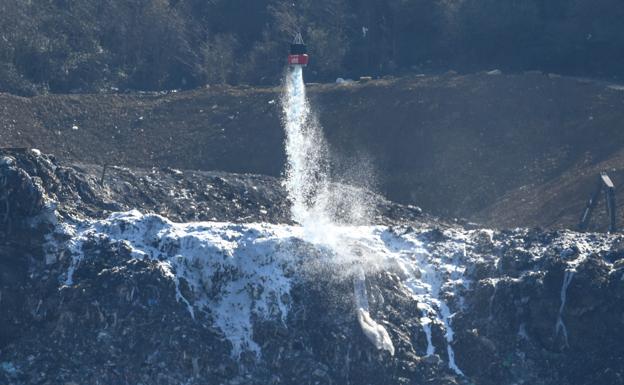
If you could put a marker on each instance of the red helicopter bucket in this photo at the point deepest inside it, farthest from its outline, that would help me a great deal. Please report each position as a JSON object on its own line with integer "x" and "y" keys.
{"x": 298, "y": 52}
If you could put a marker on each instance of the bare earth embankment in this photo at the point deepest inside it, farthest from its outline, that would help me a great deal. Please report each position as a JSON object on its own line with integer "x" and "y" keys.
{"x": 507, "y": 150}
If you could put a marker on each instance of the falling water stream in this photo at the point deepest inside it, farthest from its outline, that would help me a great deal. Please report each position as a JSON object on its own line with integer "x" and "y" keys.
{"x": 310, "y": 191}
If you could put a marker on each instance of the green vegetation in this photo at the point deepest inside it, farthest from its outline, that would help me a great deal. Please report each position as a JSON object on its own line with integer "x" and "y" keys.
{"x": 64, "y": 46}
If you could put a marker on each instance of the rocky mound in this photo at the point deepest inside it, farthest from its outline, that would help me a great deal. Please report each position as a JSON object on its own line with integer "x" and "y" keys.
{"x": 95, "y": 292}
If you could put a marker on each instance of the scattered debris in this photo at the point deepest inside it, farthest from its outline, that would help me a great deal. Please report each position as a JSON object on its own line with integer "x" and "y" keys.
{"x": 154, "y": 301}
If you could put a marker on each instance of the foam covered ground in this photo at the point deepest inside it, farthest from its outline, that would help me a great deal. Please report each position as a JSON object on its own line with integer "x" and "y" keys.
{"x": 235, "y": 274}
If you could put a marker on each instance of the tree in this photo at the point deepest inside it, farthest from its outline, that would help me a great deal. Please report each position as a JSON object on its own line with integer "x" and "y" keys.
{"x": 500, "y": 32}
{"x": 218, "y": 58}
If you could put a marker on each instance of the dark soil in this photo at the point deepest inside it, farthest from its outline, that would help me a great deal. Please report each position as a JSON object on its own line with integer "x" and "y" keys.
{"x": 506, "y": 150}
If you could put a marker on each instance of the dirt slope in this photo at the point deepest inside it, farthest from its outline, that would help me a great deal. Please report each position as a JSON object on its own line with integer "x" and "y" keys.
{"x": 455, "y": 145}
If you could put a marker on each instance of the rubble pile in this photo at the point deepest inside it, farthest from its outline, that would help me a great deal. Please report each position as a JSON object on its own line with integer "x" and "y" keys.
{"x": 181, "y": 277}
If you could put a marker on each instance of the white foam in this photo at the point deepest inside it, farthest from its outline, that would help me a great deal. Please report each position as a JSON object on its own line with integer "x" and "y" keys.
{"x": 429, "y": 279}
{"x": 240, "y": 272}
{"x": 426, "y": 325}
{"x": 560, "y": 325}
{"x": 234, "y": 271}
{"x": 376, "y": 333}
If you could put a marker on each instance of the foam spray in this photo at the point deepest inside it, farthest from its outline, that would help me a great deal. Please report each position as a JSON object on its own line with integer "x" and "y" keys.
{"x": 307, "y": 169}
{"x": 314, "y": 199}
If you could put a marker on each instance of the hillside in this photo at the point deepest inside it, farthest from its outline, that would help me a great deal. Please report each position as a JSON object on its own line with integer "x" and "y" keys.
{"x": 97, "y": 287}
{"x": 303, "y": 192}
{"x": 509, "y": 150}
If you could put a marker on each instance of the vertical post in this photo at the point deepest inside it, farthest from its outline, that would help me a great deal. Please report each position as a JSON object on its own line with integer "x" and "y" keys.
{"x": 610, "y": 199}
{"x": 611, "y": 210}
{"x": 604, "y": 183}
{"x": 591, "y": 204}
